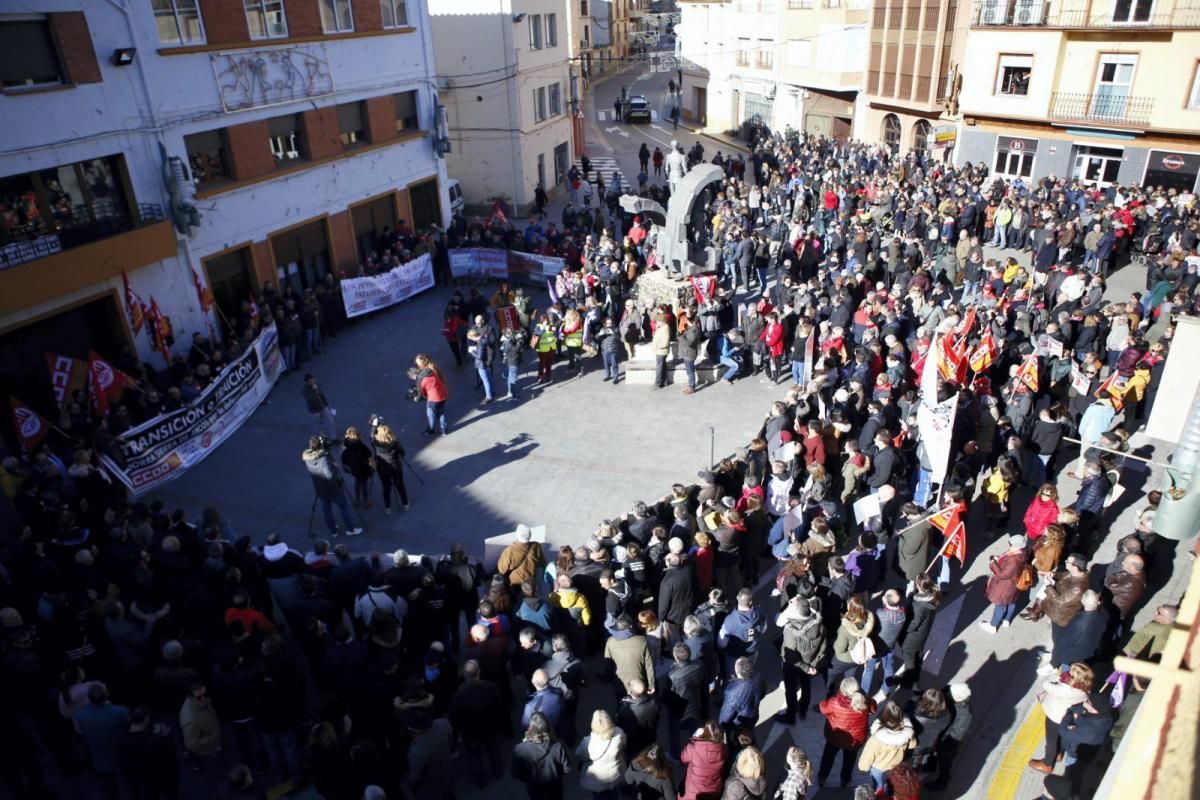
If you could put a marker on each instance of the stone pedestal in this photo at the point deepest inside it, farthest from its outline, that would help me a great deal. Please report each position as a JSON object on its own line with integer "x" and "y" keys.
{"x": 656, "y": 287}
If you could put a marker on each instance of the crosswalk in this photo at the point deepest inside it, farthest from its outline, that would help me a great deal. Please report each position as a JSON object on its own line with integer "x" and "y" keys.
{"x": 602, "y": 165}
{"x": 608, "y": 115}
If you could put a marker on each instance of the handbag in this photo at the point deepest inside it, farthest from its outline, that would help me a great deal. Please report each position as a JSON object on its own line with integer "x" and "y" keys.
{"x": 862, "y": 651}
{"x": 1027, "y": 578}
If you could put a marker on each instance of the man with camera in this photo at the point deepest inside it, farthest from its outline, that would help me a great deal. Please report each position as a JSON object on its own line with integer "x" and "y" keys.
{"x": 483, "y": 348}
{"x": 328, "y": 484}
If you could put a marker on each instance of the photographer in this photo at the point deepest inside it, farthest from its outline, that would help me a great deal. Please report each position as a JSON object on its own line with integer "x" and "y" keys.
{"x": 483, "y": 349}
{"x": 512, "y": 345}
{"x": 389, "y": 461}
{"x": 432, "y": 387}
{"x": 328, "y": 484}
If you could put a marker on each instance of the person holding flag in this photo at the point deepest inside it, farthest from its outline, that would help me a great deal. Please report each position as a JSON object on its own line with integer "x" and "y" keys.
{"x": 954, "y": 534}
{"x": 31, "y": 426}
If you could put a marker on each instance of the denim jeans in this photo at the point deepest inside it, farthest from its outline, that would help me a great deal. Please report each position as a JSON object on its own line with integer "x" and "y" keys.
{"x": 323, "y": 423}
{"x": 868, "y": 675}
{"x": 283, "y": 752}
{"x": 435, "y": 414}
{"x": 1000, "y": 239}
{"x": 1003, "y": 613}
{"x": 689, "y": 366}
{"x": 312, "y": 338}
{"x": 327, "y": 504}
{"x": 762, "y": 277}
{"x": 878, "y": 778}
{"x": 288, "y": 351}
{"x": 732, "y": 372}
{"x": 610, "y": 365}
{"x": 798, "y": 372}
{"x": 514, "y": 371}
{"x": 485, "y": 377}
{"x": 970, "y": 291}
{"x": 660, "y": 371}
{"x": 924, "y": 487}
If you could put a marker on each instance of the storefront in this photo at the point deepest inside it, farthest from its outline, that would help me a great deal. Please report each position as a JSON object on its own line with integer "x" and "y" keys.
{"x": 1172, "y": 170}
{"x": 1014, "y": 157}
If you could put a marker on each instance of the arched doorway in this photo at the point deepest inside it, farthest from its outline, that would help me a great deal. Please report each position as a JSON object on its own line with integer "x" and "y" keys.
{"x": 891, "y": 132}
{"x": 920, "y": 136}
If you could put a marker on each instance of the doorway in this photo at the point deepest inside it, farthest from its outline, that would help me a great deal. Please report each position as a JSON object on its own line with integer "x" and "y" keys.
{"x": 229, "y": 278}
{"x": 369, "y": 220}
{"x": 701, "y": 99}
{"x": 301, "y": 256}
{"x": 426, "y": 204}
{"x": 1098, "y": 165}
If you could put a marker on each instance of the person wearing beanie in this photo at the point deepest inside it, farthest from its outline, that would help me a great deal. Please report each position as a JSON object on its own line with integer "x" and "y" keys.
{"x": 523, "y": 560}
{"x": 1002, "y": 591}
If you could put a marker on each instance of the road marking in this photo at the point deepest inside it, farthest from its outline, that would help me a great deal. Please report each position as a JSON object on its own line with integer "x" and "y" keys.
{"x": 1016, "y": 758}
{"x": 618, "y": 131}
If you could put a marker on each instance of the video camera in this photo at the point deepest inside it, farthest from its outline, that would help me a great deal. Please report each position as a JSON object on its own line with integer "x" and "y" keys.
{"x": 414, "y": 392}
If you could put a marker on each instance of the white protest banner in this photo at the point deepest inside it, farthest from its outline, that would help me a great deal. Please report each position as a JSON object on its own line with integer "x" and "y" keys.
{"x": 463, "y": 263}
{"x": 935, "y": 421}
{"x": 537, "y": 267}
{"x": 1049, "y": 346}
{"x": 1079, "y": 381}
{"x": 364, "y": 295}
{"x": 486, "y": 262}
{"x": 165, "y": 447}
{"x": 866, "y": 507}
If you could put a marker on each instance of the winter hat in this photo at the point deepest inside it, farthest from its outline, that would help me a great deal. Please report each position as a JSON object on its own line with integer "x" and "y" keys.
{"x": 274, "y": 552}
{"x": 1016, "y": 542}
{"x": 960, "y": 692}
{"x": 676, "y": 545}
{"x": 172, "y": 651}
{"x": 523, "y": 533}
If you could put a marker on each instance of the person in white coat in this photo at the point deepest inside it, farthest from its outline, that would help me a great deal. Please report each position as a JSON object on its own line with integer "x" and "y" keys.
{"x": 602, "y": 757}
{"x": 1056, "y": 697}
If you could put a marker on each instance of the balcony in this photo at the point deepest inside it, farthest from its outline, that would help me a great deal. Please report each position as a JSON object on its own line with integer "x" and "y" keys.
{"x": 1083, "y": 14}
{"x": 82, "y": 227}
{"x": 1107, "y": 109}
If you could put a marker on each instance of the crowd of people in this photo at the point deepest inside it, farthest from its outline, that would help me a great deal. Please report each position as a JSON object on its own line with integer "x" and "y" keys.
{"x": 142, "y": 644}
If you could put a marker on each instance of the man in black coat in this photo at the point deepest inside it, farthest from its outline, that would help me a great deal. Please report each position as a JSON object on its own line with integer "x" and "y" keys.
{"x": 676, "y": 592}
{"x": 480, "y": 718}
{"x": 637, "y": 716}
{"x": 685, "y": 697}
{"x": 1081, "y": 637}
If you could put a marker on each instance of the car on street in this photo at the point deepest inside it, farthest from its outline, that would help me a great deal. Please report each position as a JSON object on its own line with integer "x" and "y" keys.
{"x": 637, "y": 109}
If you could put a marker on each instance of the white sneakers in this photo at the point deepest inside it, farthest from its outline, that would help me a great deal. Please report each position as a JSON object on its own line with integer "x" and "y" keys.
{"x": 1046, "y": 669}
{"x": 354, "y": 532}
{"x": 987, "y": 626}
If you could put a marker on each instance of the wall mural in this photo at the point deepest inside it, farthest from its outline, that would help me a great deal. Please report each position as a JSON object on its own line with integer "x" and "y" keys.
{"x": 256, "y": 78}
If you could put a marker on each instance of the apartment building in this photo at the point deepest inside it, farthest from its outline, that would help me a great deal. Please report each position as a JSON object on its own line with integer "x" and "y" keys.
{"x": 506, "y": 80}
{"x": 915, "y": 50}
{"x": 1107, "y": 91}
{"x": 774, "y": 63}
{"x": 225, "y": 142}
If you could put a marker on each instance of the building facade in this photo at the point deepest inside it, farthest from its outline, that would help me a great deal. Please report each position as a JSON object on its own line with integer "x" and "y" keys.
{"x": 281, "y": 135}
{"x": 911, "y": 79}
{"x": 1106, "y": 91}
{"x": 506, "y": 81}
{"x": 773, "y": 63}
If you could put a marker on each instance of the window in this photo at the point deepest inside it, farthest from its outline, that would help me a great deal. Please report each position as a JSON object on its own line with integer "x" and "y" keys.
{"x": 891, "y": 132}
{"x": 793, "y": 4}
{"x": 1194, "y": 97}
{"x": 555, "y": 99}
{"x": 406, "y": 112}
{"x": 336, "y": 16}
{"x": 1114, "y": 79}
{"x": 742, "y": 56}
{"x": 1014, "y": 157}
{"x": 535, "y": 31}
{"x": 552, "y": 30}
{"x": 27, "y": 55}
{"x": 920, "y": 136}
{"x": 266, "y": 19}
{"x": 539, "y": 104}
{"x": 395, "y": 13}
{"x": 1013, "y": 77}
{"x": 766, "y": 54}
{"x": 1132, "y": 11}
{"x": 350, "y": 124}
{"x": 178, "y": 22}
{"x": 562, "y": 162}
{"x": 207, "y": 158}
{"x": 798, "y": 53}
{"x": 583, "y": 9}
{"x": 285, "y": 139}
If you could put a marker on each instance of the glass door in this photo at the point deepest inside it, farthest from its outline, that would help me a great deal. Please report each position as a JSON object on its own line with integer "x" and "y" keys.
{"x": 1098, "y": 165}
{"x": 1132, "y": 11}
{"x": 1113, "y": 81}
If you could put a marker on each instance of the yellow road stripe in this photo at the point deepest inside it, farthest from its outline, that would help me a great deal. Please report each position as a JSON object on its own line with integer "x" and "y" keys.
{"x": 1016, "y": 757}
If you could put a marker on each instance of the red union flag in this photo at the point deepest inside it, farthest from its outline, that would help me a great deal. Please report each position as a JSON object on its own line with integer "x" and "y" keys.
{"x": 133, "y": 305}
{"x": 32, "y": 427}
{"x": 108, "y": 384}
{"x": 984, "y": 353}
{"x": 1113, "y": 388}
{"x": 67, "y": 376}
{"x": 949, "y": 522}
{"x": 1028, "y": 373}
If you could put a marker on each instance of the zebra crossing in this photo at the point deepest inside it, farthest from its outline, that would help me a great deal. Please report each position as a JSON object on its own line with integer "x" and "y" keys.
{"x": 605, "y": 166}
{"x": 608, "y": 115}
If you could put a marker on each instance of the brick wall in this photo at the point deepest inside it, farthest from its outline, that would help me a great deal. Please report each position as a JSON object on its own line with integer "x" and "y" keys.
{"x": 367, "y": 16}
{"x": 303, "y": 17}
{"x": 264, "y": 267}
{"x": 75, "y": 48}
{"x": 381, "y": 119}
{"x": 225, "y": 21}
{"x": 249, "y": 150}
{"x": 322, "y": 137}
{"x": 345, "y": 255}
{"x": 403, "y": 206}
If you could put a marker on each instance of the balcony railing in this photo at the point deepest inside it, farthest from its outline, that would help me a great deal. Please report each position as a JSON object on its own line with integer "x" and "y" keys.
{"x": 83, "y": 228}
{"x": 1083, "y": 14}
{"x": 1112, "y": 109}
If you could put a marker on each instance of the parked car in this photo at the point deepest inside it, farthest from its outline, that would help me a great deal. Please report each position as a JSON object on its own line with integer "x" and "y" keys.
{"x": 637, "y": 109}
{"x": 456, "y": 197}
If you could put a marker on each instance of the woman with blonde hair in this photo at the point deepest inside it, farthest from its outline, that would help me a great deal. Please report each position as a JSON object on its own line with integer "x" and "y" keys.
{"x": 389, "y": 463}
{"x": 1057, "y": 697}
{"x": 571, "y": 333}
{"x": 799, "y": 776}
{"x": 431, "y": 385}
{"x": 602, "y": 757}
{"x": 748, "y": 779}
{"x": 359, "y": 462}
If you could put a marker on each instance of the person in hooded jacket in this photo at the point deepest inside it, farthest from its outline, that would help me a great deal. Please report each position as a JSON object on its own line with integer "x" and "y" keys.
{"x": 704, "y": 758}
{"x": 846, "y": 716}
{"x": 533, "y": 610}
{"x": 650, "y": 775}
{"x": 924, "y": 605}
{"x": 892, "y": 736}
{"x": 803, "y": 656}
{"x": 856, "y": 625}
{"x": 748, "y": 778}
{"x": 955, "y": 733}
{"x": 892, "y": 618}
{"x": 931, "y": 717}
{"x": 540, "y": 761}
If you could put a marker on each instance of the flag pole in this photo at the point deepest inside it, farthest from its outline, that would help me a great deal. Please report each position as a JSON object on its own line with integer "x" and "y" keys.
{"x": 941, "y": 550}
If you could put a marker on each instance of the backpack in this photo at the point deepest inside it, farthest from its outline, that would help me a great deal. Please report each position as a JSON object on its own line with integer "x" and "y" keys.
{"x": 1027, "y": 578}
{"x": 862, "y": 651}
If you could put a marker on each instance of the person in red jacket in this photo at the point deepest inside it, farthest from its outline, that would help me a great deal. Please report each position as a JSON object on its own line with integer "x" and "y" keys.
{"x": 1043, "y": 511}
{"x": 431, "y": 386}
{"x": 704, "y": 757}
{"x": 450, "y": 330}
{"x": 772, "y": 339}
{"x": 846, "y": 716}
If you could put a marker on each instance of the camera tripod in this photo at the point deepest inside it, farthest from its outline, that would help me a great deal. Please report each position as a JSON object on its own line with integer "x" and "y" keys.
{"x": 312, "y": 512}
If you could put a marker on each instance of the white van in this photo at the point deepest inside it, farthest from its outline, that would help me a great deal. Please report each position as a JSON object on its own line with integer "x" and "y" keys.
{"x": 456, "y": 197}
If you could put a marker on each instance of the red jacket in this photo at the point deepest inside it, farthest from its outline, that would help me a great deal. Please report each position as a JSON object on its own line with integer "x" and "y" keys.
{"x": 814, "y": 450}
{"x": 845, "y": 727}
{"x": 1039, "y": 514}
{"x": 772, "y": 337}
{"x": 433, "y": 388}
{"x": 1002, "y": 586}
{"x": 705, "y": 762}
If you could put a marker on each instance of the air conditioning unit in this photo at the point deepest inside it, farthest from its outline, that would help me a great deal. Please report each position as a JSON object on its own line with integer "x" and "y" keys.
{"x": 993, "y": 12}
{"x": 1029, "y": 12}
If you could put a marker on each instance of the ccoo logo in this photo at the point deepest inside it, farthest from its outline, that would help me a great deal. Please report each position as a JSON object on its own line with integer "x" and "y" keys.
{"x": 28, "y": 423}
{"x": 104, "y": 375}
